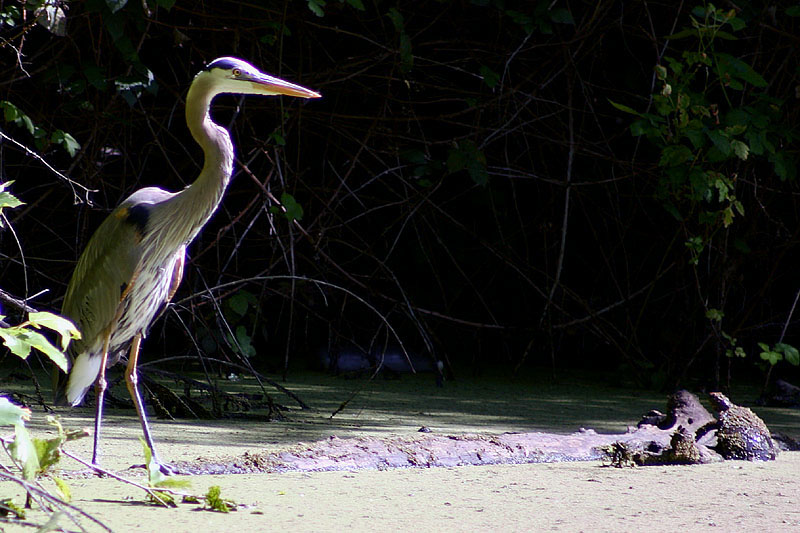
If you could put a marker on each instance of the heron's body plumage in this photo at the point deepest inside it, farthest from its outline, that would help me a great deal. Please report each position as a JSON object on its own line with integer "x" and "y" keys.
{"x": 111, "y": 304}
{"x": 123, "y": 277}
{"x": 134, "y": 261}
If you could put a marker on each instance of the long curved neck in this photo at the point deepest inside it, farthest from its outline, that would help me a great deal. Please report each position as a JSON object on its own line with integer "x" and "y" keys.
{"x": 199, "y": 200}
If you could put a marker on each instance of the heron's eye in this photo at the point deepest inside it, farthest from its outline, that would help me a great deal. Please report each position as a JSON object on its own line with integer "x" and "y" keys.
{"x": 237, "y": 72}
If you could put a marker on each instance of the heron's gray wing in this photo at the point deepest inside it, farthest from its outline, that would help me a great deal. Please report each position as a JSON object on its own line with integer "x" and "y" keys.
{"x": 104, "y": 271}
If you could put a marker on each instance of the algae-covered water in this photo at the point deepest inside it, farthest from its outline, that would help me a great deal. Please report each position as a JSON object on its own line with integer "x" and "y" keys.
{"x": 584, "y": 496}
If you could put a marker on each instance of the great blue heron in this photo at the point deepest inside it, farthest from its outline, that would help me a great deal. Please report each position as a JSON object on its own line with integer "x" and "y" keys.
{"x": 134, "y": 261}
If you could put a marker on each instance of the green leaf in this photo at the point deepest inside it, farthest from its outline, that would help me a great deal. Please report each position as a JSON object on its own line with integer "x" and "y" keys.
{"x": 20, "y": 340}
{"x": 10, "y": 111}
{"x": 24, "y": 452}
{"x": 727, "y": 217}
{"x": 738, "y": 351}
{"x": 294, "y": 211}
{"x": 740, "y": 149}
{"x": 640, "y": 127}
{"x": 277, "y": 138}
{"x": 156, "y": 478}
{"x": 154, "y": 473}
{"x": 625, "y": 108}
{"x": 13, "y": 342}
{"x": 738, "y": 68}
{"x": 725, "y": 36}
{"x": 47, "y": 451}
{"x": 11, "y": 507}
{"x": 63, "y": 326}
{"x": 12, "y": 414}
{"x": 406, "y": 55}
{"x": 683, "y": 34}
{"x": 358, "y": 4}
{"x": 414, "y": 156}
{"x": 672, "y": 210}
{"x": 215, "y": 501}
{"x": 115, "y": 26}
{"x": 240, "y": 302}
{"x": 715, "y": 315}
{"x": 95, "y": 76}
{"x": 8, "y": 200}
{"x": 790, "y": 353}
{"x": 166, "y": 4}
{"x": 316, "y": 7}
{"x": 164, "y": 498}
{"x": 561, "y": 15}
{"x": 521, "y": 18}
{"x": 771, "y": 356}
{"x": 466, "y": 156}
{"x": 721, "y": 183}
{"x": 490, "y": 77}
{"x": 397, "y": 19}
{"x": 244, "y": 341}
{"x": 674, "y": 155}
{"x": 759, "y": 142}
{"x": 37, "y": 340}
{"x": 784, "y": 166}
{"x": 63, "y": 489}
{"x": 695, "y": 244}
{"x": 736, "y": 23}
{"x": 172, "y": 483}
{"x": 735, "y": 129}
{"x": 27, "y": 123}
{"x": 720, "y": 142}
{"x": 694, "y": 132}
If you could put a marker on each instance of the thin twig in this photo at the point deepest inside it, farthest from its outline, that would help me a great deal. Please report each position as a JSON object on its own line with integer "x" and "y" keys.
{"x": 150, "y": 491}
{"x": 565, "y": 218}
{"x": 72, "y": 183}
{"x": 56, "y": 501}
{"x": 16, "y": 302}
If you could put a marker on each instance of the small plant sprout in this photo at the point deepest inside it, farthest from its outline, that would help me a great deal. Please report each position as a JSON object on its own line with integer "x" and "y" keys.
{"x": 215, "y": 502}
{"x": 156, "y": 479}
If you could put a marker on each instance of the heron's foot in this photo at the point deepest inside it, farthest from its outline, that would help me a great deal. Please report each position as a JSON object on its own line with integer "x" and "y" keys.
{"x": 166, "y": 469}
{"x": 96, "y": 470}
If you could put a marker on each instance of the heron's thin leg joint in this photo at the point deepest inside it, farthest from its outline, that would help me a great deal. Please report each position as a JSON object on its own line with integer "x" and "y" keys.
{"x": 132, "y": 382}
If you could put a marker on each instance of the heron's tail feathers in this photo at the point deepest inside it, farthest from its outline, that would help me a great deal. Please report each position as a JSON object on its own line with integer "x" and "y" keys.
{"x": 82, "y": 376}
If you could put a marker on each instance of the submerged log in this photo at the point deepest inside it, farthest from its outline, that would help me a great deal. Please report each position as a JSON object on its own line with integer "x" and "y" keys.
{"x": 662, "y": 439}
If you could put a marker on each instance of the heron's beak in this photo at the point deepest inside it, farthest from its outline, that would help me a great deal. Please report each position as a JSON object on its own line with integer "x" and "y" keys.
{"x": 266, "y": 84}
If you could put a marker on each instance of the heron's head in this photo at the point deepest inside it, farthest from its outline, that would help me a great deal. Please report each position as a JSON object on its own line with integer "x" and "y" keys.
{"x": 232, "y": 75}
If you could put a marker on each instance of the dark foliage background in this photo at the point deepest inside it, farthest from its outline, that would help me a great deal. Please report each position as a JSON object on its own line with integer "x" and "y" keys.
{"x": 465, "y": 178}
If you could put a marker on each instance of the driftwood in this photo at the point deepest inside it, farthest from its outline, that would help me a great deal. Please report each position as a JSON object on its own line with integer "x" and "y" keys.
{"x": 659, "y": 439}
{"x": 425, "y": 450}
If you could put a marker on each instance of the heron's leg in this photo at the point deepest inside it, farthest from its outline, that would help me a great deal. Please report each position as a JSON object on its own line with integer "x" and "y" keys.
{"x": 100, "y": 389}
{"x": 132, "y": 381}
{"x": 177, "y": 274}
